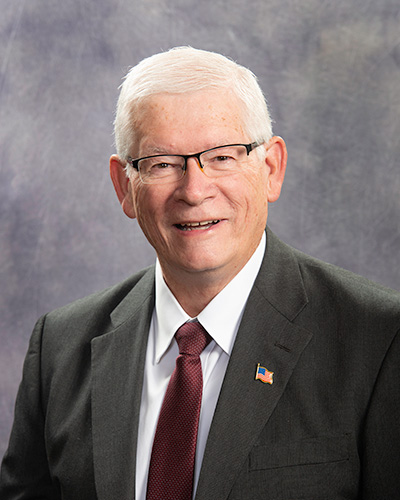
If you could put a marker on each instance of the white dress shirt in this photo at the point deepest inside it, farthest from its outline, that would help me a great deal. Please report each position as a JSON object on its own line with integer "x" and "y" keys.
{"x": 221, "y": 318}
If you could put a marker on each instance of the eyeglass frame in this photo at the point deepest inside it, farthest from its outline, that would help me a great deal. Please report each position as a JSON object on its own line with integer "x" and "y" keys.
{"x": 135, "y": 162}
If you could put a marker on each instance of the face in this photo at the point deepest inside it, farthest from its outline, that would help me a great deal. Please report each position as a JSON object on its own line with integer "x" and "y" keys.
{"x": 200, "y": 226}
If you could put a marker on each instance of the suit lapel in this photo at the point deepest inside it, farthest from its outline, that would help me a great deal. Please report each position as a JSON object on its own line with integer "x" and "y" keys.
{"x": 267, "y": 336}
{"x": 117, "y": 374}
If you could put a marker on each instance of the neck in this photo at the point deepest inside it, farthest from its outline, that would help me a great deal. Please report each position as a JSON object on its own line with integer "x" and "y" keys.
{"x": 197, "y": 290}
{"x": 194, "y": 290}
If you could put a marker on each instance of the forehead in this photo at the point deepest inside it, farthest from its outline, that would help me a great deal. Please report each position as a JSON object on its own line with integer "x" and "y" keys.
{"x": 193, "y": 120}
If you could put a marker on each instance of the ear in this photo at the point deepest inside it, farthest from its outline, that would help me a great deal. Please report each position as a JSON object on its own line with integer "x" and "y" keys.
{"x": 276, "y": 160}
{"x": 122, "y": 186}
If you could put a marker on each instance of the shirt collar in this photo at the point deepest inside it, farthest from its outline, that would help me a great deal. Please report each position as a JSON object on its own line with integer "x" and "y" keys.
{"x": 221, "y": 317}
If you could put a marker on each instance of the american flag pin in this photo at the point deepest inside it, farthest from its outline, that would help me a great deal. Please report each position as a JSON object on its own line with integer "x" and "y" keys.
{"x": 264, "y": 375}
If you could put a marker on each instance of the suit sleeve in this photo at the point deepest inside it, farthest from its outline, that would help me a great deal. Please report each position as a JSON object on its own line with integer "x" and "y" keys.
{"x": 381, "y": 452}
{"x": 25, "y": 472}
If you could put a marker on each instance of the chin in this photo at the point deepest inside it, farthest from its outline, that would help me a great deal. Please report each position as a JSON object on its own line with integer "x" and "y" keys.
{"x": 196, "y": 261}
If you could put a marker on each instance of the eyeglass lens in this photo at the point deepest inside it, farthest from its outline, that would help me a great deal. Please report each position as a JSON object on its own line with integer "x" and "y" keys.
{"x": 215, "y": 162}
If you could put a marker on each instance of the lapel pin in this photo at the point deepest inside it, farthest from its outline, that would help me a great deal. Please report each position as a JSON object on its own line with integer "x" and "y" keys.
{"x": 264, "y": 375}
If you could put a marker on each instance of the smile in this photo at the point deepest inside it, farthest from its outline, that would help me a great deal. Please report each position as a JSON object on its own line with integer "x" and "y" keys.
{"x": 190, "y": 226}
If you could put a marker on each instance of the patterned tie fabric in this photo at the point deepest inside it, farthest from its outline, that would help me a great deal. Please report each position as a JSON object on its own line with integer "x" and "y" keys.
{"x": 174, "y": 448}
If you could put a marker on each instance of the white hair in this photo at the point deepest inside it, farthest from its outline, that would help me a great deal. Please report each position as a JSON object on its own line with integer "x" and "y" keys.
{"x": 185, "y": 69}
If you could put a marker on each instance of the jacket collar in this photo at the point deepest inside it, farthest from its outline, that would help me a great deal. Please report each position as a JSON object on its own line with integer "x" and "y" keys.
{"x": 117, "y": 376}
{"x": 268, "y": 336}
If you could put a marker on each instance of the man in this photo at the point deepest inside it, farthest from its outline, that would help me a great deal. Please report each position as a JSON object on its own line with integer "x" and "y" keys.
{"x": 299, "y": 373}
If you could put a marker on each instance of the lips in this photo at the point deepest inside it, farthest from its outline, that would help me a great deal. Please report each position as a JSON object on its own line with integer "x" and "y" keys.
{"x": 193, "y": 226}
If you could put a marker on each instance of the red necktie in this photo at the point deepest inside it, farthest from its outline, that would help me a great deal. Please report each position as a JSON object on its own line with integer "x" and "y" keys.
{"x": 174, "y": 447}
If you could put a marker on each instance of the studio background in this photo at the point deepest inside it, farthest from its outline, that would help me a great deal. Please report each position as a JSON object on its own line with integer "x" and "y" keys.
{"x": 331, "y": 73}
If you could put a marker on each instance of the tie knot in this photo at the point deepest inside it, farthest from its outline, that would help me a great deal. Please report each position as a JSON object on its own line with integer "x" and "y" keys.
{"x": 192, "y": 338}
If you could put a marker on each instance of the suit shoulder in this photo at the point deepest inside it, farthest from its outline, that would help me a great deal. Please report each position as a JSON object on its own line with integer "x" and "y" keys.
{"x": 345, "y": 286}
{"x": 97, "y": 308}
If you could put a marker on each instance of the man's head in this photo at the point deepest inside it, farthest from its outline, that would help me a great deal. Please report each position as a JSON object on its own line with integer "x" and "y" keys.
{"x": 205, "y": 223}
{"x": 184, "y": 70}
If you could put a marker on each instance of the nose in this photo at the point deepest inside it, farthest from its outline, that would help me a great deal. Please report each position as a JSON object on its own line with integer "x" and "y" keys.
{"x": 195, "y": 159}
{"x": 195, "y": 186}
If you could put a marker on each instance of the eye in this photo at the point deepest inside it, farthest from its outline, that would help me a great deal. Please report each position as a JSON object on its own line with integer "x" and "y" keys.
{"x": 221, "y": 158}
{"x": 162, "y": 166}
{"x": 159, "y": 163}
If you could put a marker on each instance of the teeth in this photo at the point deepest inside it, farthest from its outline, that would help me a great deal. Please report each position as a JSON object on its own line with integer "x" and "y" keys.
{"x": 189, "y": 225}
{"x": 196, "y": 224}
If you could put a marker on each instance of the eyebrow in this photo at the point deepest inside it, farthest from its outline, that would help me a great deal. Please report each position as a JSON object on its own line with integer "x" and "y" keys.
{"x": 155, "y": 150}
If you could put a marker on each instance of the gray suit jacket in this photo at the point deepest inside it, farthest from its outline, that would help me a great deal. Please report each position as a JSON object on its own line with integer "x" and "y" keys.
{"x": 326, "y": 429}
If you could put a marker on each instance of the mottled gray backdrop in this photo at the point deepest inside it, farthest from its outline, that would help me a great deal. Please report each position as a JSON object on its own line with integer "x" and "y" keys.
{"x": 330, "y": 69}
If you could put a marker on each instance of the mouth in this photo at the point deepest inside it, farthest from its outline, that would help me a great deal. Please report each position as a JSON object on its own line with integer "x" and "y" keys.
{"x": 195, "y": 226}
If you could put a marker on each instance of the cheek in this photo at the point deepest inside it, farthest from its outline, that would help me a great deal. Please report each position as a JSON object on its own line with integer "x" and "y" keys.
{"x": 253, "y": 192}
{"x": 257, "y": 199}
{"x": 142, "y": 198}
{"x": 140, "y": 203}
{"x": 150, "y": 207}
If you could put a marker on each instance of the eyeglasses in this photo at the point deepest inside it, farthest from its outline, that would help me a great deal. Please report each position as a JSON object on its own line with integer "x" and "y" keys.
{"x": 215, "y": 162}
